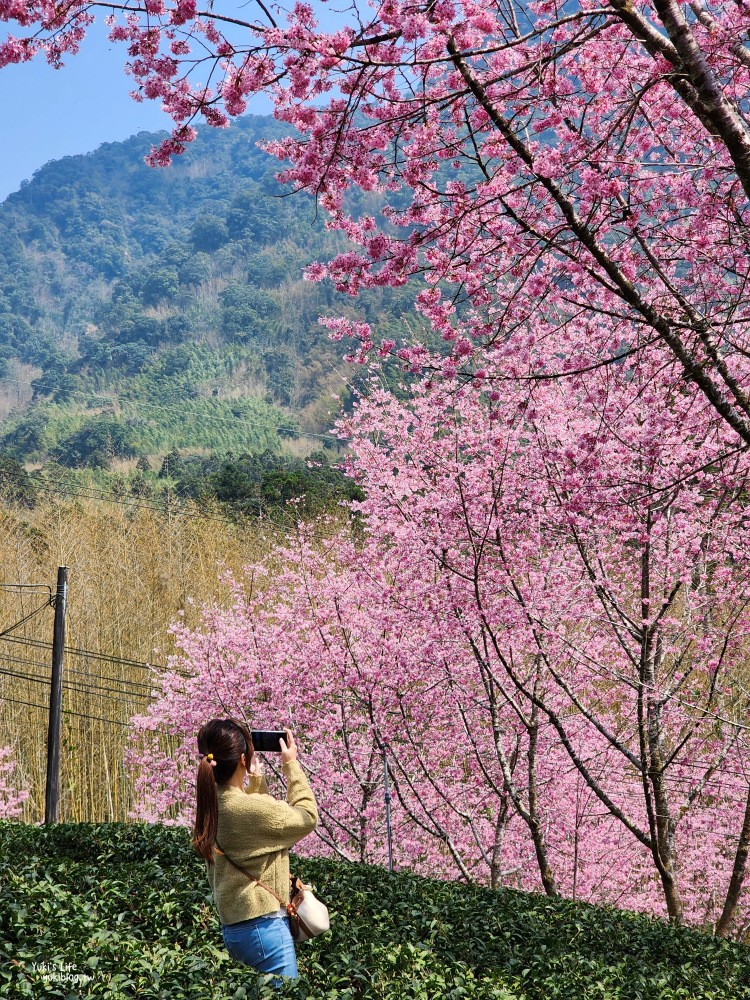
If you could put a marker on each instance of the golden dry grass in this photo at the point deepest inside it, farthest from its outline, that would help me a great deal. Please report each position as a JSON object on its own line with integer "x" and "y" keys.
{"x": 130, "y": 572}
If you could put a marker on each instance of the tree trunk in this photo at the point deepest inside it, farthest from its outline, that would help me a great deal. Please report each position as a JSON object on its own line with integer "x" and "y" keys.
{"x": 723, "y": 928}
{"x": 496, "y": 860}
{"x": 535, "y": 827}
{"x": 657, "y": 798}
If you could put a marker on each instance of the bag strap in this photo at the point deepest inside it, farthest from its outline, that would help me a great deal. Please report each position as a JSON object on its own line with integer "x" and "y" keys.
{"x": 290, "y": 909}
{"x": 256, "y": 881}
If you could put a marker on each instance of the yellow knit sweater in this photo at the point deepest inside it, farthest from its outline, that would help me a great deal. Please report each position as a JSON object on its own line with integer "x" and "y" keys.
{"x": 256, "y": 830}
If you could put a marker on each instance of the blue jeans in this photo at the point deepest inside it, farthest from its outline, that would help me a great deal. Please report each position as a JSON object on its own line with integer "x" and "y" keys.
{"x": 264, "y": 943}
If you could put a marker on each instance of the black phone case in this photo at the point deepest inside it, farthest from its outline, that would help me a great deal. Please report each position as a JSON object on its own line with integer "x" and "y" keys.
{"x": 267, "y": 741}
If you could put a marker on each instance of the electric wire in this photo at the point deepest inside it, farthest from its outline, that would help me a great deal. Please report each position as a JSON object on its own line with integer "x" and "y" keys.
{"x": 34, "y": 678}
{"x": 82, "y": 673}
{"x": 26, "y": 586}
{"x": 86, "y": 653}
{"x": 90, "y": 654}
{"x": 23, "y": 662}
{"x": 5, "y": 632}
{"x": 4, "y": 657}
{"x": 93, "y": 655}
{"x": 95, "y": 690}
{"x": 85, "y": 715}
{"x": 69, "y": 711}
{"x": 70, "y": 685}
{"x": 59, "y": 488}
{"x": 132, "y": 504}
{"x": 159, "y": 507}
{"x": 27, "y": 641}
{"x": 109, "y": 677}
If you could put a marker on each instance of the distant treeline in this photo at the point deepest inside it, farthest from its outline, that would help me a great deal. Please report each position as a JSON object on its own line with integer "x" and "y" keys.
{"x": 248, "y": 485}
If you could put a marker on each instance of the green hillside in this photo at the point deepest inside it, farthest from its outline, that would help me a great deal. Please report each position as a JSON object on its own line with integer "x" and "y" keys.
{"x": 144, "y": 310}
{"x": 128, "y": 908}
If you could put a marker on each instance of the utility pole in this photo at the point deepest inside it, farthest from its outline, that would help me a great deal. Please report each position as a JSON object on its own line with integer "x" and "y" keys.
{"x": 387, "y": 809}
{"x": 52, "y": 794}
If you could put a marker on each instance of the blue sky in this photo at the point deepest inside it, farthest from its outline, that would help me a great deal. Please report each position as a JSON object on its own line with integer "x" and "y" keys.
{"x": 46, "y": 114}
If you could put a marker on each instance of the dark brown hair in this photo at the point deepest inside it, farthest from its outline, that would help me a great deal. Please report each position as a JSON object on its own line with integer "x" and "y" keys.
{"x": 226, "y": 740}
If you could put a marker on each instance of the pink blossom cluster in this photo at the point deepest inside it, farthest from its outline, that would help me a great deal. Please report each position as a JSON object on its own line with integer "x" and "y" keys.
{"x": 12, "y": 797}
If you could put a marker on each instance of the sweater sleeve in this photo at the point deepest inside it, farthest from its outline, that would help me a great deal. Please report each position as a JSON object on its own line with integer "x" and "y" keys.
{"x": 298, "y": 816}
{"x": 257, "y": 824}
{"x": 256, "y": 783}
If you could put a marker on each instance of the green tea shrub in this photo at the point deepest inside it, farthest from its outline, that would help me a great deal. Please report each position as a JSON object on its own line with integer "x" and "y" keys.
{"x": 123, "y": 910}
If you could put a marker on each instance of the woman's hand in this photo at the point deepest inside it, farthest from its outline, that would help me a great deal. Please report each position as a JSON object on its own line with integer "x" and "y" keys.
{"x": 288, "y": 748}
{"x": 255, "y": 769}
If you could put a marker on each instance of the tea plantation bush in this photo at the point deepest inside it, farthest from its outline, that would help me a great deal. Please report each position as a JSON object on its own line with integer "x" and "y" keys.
{"x": 124, "y": 911}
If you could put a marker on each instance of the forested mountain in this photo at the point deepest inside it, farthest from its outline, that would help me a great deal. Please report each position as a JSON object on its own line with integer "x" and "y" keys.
{"x": 152, "y": 311}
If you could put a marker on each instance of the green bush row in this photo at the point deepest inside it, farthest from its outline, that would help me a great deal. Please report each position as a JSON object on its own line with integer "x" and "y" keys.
{"x": 128, "y": 907}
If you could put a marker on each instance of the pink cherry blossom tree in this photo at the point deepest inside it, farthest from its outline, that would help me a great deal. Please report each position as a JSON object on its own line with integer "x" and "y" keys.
{"x": 542, "y": 628}
{"x": 594, "y": 568}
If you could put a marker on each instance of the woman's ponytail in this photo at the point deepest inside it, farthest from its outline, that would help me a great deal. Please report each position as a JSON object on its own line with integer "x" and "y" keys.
{"x": 206, "y": 810}
{"x": 221, "y": 743}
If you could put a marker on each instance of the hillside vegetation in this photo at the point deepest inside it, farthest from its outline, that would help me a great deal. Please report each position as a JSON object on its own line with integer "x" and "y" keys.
{"x": 127, "y": 910}
{"x": 144, "y": 310}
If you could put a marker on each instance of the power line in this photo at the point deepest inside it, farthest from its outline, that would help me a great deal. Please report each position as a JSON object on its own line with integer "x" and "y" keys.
{"x": 36, "y": 643}
{"x": 23, "y": 662}
{"x": 160, "y": 509}
{"x": 95, "y": 689}
{"x": 101, "y": 691}
{"x": 81, "y": 673}
{"x": 26, "y": 586}
{"x": 92, "y": 655}
{"x": 67, "y": 492}
{"x": 27, "y": 618}
{"x": 86, "y": 653}
{"x": 26, "y": 677}
{"x": 109, "y": 677}
{"x": 85, "y": 715}
{"x": 69, "y": 711}
{"x": 58, "y": 488}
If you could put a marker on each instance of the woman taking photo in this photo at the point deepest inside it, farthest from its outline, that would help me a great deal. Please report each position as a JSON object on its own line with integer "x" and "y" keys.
{"x": 254, "y": 830}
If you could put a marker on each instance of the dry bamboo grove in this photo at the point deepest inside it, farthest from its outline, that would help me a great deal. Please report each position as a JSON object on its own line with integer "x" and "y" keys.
{"x": 130, "y": 571}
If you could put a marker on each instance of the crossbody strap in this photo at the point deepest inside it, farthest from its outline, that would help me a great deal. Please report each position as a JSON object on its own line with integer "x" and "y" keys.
{"x": 290, "y": 909}
{"x": 256, "y": 881}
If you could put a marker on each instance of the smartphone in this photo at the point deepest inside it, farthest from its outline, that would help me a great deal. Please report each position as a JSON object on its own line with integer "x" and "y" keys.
{"x": 267, "y": 740}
